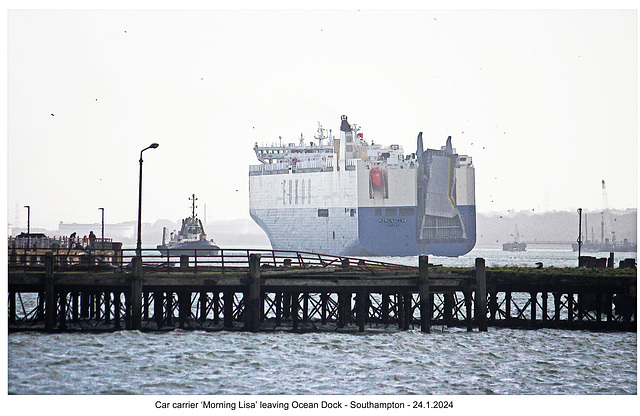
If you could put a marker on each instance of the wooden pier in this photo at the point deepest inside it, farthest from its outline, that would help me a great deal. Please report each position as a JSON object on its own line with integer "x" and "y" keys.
{"x": 265, "y": 290}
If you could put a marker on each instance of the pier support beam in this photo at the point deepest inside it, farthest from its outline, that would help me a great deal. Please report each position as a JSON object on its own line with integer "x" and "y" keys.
{"x": 305, "y": 307}
{"x": 116, "y": 309}
{"x": 107, "y": 307}
{"x": 609, "y": 307}
{"x": 63, "y": 310}
{"x": 84, "y": 305}
{"x": 385, "y": 308}
{"x": 344, "y": 308}
{"x": 448, "y": 309}
{"x": 135, "y": 309}
{"x": 425, "y": 298}
{"x": 252, "y": 304}
{"x": 481, "y": 295}
{"x": 278, "y": 301}
{"x": 227, "y": 298}
{"x": 324, "y": 297}
{"x": 184, "y": 308}
{"x": 493, "y": 305}
{"x": 203, "y": 300}
{"x": 295, "y": 305}
{"x": 361, "y": 307}
{"x": 408, "y": 316}
{"x": 400, "y": 310}
{"x": 286, "y": 305}
{"x": 216, "y": 307}
{"x": 158, "y": 310}
{"x": 534, "y": 302}
{"x": 169, "y": 308}
{"x": 507, "y": 306}
{"x": 50, "y": 294}
{"x": 40, "y": 306}
{"x": 12, "y": 307}
{"x": 74, "y": 307}
{"x": 468, "y": 302}
{"x": 145, "y": 305}
{"x": 570, "y": 306}
{"x": 599, "y": 301}
{"x": 557, "y": 304}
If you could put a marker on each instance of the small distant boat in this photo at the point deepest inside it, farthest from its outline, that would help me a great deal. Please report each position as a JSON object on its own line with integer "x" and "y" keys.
{"x": 515, "y": 245}
{"x": 191, "y": 240}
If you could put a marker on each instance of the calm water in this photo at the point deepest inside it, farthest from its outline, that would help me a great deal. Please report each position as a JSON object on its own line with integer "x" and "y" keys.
{"x": 380, "y": 361}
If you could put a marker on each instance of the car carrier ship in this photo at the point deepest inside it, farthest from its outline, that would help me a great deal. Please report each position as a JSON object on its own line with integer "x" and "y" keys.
{"x": 348, "y": 196}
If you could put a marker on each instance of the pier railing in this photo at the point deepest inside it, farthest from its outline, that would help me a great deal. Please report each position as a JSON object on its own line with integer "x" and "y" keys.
{"x": 229, "y": 259}
{"x": 198, "y": 260}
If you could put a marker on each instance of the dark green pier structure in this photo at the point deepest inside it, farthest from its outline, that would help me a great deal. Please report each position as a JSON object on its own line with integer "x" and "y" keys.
{"x": 270, "y": 290}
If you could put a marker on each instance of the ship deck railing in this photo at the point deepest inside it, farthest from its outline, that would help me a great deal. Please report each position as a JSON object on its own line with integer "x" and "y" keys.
{"x": 225, "y": 260}
{"x": 315, "y": 166}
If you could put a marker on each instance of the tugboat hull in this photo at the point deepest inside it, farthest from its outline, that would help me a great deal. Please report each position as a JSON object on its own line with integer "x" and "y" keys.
{"x": 192, "y": 248}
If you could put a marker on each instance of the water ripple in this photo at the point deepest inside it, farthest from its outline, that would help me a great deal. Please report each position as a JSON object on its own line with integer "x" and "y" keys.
{"x": 448, "y": 361}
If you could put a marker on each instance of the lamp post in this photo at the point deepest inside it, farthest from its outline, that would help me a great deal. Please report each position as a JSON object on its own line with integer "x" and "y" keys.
{"x": 28, "y": 218}
{"x": 579, "y": 234}
{"x": 28, "y": 225}
{"x": 102, "y": 244}
{"x": 139, "y": 245}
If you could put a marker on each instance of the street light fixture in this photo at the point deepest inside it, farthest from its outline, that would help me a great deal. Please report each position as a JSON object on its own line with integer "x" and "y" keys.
{"x": 102, "y": 244}
{"x": 139, "y": 245}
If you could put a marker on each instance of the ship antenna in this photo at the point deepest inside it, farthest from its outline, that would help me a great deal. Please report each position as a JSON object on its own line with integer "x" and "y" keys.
{"x": 320, "y": 135}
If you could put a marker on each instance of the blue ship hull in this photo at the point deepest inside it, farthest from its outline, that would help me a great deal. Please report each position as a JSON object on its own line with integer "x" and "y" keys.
{"x": 395, "y": 234}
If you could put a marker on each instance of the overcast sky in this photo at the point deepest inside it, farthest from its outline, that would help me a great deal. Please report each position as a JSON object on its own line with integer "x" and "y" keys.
{"x": 544, "y": 101}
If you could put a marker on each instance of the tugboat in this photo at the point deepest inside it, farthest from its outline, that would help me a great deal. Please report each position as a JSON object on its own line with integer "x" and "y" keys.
{"x": 191, "y": 240}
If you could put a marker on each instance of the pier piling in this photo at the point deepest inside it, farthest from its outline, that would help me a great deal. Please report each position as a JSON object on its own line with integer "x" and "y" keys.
{"x": 50, "y": 294}
{"x": 468, "y": 302}
{"x": 227, "y": 299}
{"x": 481, "y": 294}
{"x": 425, "y": 298}
{"x": 136, "y": 294}
{"x": 252, "y": 304}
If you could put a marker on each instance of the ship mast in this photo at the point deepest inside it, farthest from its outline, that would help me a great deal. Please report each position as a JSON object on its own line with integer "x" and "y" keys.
{"x": 193, "y": 200}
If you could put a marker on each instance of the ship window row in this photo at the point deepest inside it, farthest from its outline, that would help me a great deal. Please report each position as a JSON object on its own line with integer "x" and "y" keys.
{"x": 324, "y": 212}
{"x": 350, "y": 211}
{"x": 393, "y": 212}
{"x": 297, "y": 193}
